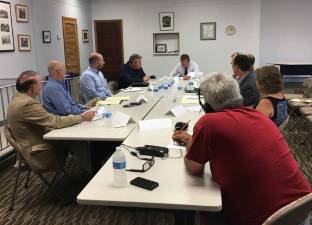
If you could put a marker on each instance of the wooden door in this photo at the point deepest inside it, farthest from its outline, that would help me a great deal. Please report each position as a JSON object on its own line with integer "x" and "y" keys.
{"x": 109, "y": 42}
{"x": 71, "y": 45}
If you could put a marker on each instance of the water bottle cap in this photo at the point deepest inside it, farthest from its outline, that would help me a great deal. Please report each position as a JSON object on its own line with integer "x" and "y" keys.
{"x": 107, "y": 114}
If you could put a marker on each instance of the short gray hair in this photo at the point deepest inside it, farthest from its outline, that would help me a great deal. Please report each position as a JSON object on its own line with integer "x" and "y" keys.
{"x": 221, "y": 92}
{"x": 134, "y": 57}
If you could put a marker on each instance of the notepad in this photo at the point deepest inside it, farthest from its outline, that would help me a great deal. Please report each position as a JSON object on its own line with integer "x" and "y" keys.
{"x": 121, "y": 98}
{"x": 155, "y": 124}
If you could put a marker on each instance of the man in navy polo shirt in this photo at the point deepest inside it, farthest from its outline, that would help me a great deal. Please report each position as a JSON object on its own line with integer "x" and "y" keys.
{"x": 132, "y": 71}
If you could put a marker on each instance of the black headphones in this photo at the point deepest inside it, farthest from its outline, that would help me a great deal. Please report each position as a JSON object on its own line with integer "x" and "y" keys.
{"x": 206, "y": 107}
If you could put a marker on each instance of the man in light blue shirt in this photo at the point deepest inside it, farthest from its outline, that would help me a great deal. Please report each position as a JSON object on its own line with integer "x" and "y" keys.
{"x": 56, "y": 98}
{"x": 92, "y": 82}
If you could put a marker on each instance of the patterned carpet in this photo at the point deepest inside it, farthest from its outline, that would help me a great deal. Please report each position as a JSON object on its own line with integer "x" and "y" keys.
{"x": 35, "y": 205}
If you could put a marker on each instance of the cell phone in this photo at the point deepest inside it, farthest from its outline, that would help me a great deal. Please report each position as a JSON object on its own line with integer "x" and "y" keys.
{"x": 144, "y": 183}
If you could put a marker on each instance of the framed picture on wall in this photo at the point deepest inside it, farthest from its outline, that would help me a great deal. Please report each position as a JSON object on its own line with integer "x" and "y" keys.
{"x": 46, "y": 36}
{"x": 160, "y": 48}
{"x": 85, "y": 36}
{"x": 24, "y": 43}
{"x": 6, "y": 28}
{"x": 166, "y": 21}
{"x": 21, "y": 13}
{"x": 208, "y": 31}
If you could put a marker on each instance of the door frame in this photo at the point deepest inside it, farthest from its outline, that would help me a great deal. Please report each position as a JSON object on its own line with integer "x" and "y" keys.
{"x": 77, "y": 39}
{"x": 122, "y": 40}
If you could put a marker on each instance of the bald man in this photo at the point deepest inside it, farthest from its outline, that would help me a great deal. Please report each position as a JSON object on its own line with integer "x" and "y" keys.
{"x": 92, "y": 81}
{"x": 29, "y": 121}
{"x": 56, "y": 98}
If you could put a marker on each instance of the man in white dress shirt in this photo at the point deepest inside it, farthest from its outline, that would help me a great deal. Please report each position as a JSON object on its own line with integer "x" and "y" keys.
{"x": 185, "y": 68}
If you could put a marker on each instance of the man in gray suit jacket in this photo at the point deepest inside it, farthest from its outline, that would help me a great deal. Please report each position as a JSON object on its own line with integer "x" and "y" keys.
{"x": 247, "y": 82}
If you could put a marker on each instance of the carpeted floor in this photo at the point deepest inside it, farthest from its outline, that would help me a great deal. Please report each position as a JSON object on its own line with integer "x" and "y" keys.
{"x": 34, "y": 205}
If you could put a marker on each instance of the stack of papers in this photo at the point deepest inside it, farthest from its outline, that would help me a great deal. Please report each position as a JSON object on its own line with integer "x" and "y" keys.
{"x": 121, "y": 98}
{"x": 108, "y": 102}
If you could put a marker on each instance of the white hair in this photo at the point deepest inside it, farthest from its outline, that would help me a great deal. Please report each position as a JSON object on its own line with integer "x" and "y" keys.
{"x": 221, "y": 91}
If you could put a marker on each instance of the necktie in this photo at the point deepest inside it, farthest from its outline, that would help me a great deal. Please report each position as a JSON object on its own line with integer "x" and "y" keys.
{"x": 185, "y": 72}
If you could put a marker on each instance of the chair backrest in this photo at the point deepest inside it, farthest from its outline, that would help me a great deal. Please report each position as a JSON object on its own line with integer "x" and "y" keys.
{"x": 284, "y": 123}
{"x": 9, "y": 136}
{"x": 113, "y": 86}
{"x": 294, "y": 213}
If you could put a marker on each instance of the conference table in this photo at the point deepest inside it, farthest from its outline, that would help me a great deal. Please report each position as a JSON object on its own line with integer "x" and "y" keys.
{"x": 178, "y": 191}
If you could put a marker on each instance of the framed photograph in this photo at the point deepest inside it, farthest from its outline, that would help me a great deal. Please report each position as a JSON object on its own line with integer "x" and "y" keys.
{"x": 24, "y": 43}
{"x": 208, "y": 31}
{"x": 6, "y": 28}
{"x": 85, "y": 36}
{"x": 160, "y": 48}
{"x": 166, "y": 21}
{"x": 21, "y": 13}
{"x": 46, "y": 36}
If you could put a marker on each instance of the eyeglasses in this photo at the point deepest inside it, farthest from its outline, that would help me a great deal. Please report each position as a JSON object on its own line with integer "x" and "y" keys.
{"x": 146, "y": 166}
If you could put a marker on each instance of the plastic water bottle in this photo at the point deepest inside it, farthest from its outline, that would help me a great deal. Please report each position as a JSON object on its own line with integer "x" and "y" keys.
{"x": 190, "y": 86}
{"x": 108, "y": 119}
{"x": 180, "y": 88}
{"x": 119, "y": 167}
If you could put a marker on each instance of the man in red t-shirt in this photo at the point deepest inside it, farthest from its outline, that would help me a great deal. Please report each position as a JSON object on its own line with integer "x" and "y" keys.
{"x": 248, "y": 156}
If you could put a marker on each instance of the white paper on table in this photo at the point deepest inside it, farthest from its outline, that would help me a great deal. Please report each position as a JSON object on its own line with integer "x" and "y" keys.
{"x": 141, "y": 99}
{"x": 121, "y": 119}
{"x": 196, "y": 108}
{"x": 155, "y": 124}
{"x": 100, "y": 111}
{"x": 191, "y": 96}
{"x": 132, "y": 89}
{"x": 177, "y": 111}
{"x": 174, "y": 145}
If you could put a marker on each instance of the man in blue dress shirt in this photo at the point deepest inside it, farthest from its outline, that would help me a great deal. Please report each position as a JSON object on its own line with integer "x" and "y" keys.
{"x": 56, "y": 98}
{"x": 92, "y": 81}
{"x": 132, "y": 71}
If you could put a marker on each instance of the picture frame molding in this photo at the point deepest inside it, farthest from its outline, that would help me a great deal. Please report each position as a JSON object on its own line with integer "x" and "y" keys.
{"x": 160, "y": 45}
{"x": 84, "y": 40}
{"x": 160, "y": 22}
{"x": 16, "y": 13}
{"x": 11, "y": 33}
{"x": 43, "y": 37}
{"x": 214, "y": 37}
{"x": 19, "y": 44}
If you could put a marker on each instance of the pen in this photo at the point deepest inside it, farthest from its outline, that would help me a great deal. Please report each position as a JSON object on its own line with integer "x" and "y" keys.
{"x": 184, "y": 126}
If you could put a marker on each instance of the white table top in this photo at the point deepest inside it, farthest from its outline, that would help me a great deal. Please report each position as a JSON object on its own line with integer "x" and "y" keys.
{"x": 96, "y": 131}
{"x": 177, "y": 188}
